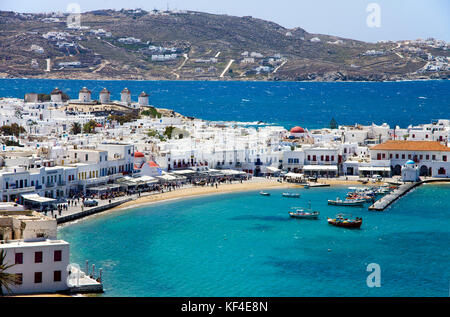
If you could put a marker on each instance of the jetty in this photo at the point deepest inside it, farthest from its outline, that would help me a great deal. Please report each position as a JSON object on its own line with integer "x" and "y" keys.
{"x": 75, "y": 213}
{"x": 384, "y": 202}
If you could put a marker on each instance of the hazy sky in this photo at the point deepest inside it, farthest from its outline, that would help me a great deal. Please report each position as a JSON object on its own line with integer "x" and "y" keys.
{"x": 400, "y": 19}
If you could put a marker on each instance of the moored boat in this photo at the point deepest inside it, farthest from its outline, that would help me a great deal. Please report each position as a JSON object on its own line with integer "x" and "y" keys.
{"x": 264, "y": 193}
{"x": 341, "y": 221}
{"x": 301, "y": 213}
{"x": 290, "y": 195}
{"x": 347, "y": 202}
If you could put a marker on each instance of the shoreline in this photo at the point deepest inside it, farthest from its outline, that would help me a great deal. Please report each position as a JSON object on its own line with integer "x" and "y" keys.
{"x": 199, "y": 191}
{"x": 233, "y": 80}
{"x": 189, "y": 193}
{"x": 203, "y": 191}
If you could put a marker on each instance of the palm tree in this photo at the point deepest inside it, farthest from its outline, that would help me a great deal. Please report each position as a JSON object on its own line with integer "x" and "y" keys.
{"x": 6, "y": 279}
{"x": 76, "y": 128}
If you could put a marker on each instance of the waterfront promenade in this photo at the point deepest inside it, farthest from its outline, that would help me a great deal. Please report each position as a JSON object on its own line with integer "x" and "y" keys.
{"x": 77, "y": 212}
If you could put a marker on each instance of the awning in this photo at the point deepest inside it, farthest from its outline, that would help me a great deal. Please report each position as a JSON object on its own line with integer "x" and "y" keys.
{"x": 320, "y": 168}
{"x": 144, "y": 180}
{"x": 273, "y": 169}
{"x": 184, "y": 172}
{"x": 37, "y": 198}
{"x": 374, "y": 169}
{"x": 232, "y": 172}
{"x": 294, "y": 175}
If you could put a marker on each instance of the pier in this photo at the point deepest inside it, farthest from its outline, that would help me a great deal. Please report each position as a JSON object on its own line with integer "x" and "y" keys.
{"x": 384, "y": 202}
{"x": 75, "y": 213}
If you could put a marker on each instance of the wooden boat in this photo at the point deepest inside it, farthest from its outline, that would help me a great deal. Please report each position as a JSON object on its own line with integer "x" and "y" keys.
{"x": 341, "y": 221}
{"x": 264, "y": 193}
{"x": 347, "y": 202}
{"x": 290, "y": 195}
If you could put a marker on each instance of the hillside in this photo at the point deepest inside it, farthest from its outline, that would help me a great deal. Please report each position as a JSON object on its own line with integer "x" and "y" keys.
{"x": 135, "y": 44}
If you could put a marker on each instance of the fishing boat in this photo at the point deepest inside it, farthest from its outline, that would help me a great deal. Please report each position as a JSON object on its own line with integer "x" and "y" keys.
{"x": 342, "y": 221}
{"x": 264, "y": 193}
{"x": 347, "y": 202}
{"x": 301, "y": 213}
{"x": 290, "y": 195}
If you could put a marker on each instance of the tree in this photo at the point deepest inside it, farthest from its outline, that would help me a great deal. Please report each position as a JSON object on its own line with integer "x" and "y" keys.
{"x": 123, "y": 118}
{"x": 333, "y": 124}
{"x": 6, "y": 279}
{"x": 90, "y": 127}
{"x": 168, "y": 131}
{"x": 76, "y": 128}
{"x": 152, "y": 112}
{"x": 13, "y": 129}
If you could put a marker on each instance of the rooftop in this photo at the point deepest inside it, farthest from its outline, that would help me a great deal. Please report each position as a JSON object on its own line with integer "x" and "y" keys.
{"x": 411, "y": 146}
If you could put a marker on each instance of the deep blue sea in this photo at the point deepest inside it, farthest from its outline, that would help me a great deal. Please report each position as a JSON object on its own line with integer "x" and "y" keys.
{"x": 244, "y": 244}
{"x": 308, "y": 104}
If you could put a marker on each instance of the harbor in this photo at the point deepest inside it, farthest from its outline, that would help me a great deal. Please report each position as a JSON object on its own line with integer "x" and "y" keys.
{"x": 245, "y": 236}
{"x": 403, "y": 189}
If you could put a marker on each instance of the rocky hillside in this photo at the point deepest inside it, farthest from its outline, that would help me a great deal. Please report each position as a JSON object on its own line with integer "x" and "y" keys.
{"x": 136, "y": 44}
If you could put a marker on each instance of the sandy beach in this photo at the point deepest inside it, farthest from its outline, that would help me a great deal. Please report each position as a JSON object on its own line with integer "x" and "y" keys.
{"x": 254, "y": 184}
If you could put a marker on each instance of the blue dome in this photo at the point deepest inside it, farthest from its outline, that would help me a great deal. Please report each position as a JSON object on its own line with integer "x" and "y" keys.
{"x": 410, "y": 162}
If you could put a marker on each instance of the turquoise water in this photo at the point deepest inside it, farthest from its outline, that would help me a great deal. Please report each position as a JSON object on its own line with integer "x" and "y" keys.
{"x": 244, "y": 244}
{"x": 309, "y": 104}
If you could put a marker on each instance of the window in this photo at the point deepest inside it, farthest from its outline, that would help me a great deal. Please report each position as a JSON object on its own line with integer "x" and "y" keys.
{"x": 57, "y": 256}
{"x": 19, "y": 258}
{"x": 403, "y": 156}
{"x": 427, "y": 157}
{"x": 38, "y": 257}
{"x": 396, "y": 156}
{"x": 444, "y": 158}
{"x": 37, "y": 277}
{"x": 433, "y": 157}
{"x": 57, "y": 276}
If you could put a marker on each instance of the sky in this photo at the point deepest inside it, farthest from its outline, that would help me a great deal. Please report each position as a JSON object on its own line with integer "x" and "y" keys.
{"x": 394, "y": 19}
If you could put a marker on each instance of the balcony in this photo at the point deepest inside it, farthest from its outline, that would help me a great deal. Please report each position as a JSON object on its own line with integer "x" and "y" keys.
{"x": 15, "y": 191}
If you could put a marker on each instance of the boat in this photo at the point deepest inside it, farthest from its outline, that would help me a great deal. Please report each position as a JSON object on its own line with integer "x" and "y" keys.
{"x": 264, "y": 193}
{"x": 319, "y": 185}
{"x": 301, "y": 213}
{"x": 347, "y": 202}
{"x": 306, "y": 186}
{"x": 342, "y": 221}
{"x": 290, "y": 195}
